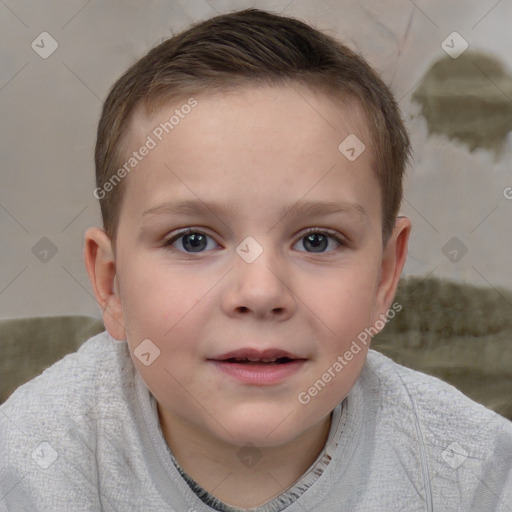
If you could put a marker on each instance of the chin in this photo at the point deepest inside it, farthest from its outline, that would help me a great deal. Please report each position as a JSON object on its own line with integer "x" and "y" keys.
{"x": 270, "y": 432}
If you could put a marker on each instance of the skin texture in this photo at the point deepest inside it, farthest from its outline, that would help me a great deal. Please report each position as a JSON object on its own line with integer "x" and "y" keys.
{"x": 260, "y": 149}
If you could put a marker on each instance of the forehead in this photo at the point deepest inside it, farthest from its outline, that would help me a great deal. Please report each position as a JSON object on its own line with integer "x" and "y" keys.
{"x": 214, "y": 144}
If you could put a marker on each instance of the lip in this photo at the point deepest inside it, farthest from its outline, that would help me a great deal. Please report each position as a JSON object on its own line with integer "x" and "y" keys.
{"x": 258, "y": 374}
{"x": 263, "y": 374}
{"x": 270, "y": 353}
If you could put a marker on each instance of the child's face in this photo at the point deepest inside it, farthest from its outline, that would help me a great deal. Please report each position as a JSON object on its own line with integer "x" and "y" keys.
{"x": 198, "y": 299}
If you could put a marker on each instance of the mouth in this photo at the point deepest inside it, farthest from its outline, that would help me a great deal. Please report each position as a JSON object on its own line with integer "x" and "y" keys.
{"x": 256, "y": 357}
{"x": 259, "y": 367}
{"x": 238, "y": 360}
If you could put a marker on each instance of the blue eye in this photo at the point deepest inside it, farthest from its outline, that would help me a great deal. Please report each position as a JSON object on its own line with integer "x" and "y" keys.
{"x": 191, "y": 240}
{"x": 195, "y": 241}
{"x": 318, "y": 240}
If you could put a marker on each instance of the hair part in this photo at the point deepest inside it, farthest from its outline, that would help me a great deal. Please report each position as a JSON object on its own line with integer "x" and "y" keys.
{"x": 248, "y": 48}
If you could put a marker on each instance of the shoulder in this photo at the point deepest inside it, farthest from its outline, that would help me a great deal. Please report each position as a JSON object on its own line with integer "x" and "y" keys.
{"x": 433, "y": 399}
{"x": 73, "y": 382}
{"x": 59, "y": 411}
{"x": 463, "y": 442}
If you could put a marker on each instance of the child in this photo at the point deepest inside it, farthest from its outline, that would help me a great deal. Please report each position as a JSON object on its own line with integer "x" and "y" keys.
{"x": 235, "y": 370}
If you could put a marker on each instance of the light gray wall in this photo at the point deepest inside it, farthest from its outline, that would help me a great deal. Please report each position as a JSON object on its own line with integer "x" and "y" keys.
{"x": 50, "y": 108}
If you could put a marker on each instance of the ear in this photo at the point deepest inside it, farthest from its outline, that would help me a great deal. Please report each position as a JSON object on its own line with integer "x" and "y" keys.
{"x": 101, "y": 266}
{"x": 393, "y": 261}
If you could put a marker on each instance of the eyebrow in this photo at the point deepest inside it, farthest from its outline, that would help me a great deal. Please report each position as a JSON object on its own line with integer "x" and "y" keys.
{"x": 300, "y": 208}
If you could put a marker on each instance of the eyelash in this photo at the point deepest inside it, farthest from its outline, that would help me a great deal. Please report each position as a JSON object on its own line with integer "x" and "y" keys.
{"x": 188, "y": 231}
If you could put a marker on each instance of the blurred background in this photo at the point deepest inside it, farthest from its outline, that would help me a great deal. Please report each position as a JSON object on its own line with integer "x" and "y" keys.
{"x": 449, "y": 65}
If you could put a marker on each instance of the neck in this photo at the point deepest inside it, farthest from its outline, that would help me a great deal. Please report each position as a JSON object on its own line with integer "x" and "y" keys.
{"x": 242, "y": 476}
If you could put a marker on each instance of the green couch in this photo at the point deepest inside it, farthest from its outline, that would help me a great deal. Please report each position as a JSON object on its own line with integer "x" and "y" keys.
{"x": 457, "y": 332}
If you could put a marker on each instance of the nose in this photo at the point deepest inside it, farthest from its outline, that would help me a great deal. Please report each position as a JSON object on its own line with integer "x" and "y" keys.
{"x": 261, "y": 288}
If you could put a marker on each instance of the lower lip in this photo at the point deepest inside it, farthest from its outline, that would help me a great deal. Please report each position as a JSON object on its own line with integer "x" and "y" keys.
{"x": 260, "y": 374}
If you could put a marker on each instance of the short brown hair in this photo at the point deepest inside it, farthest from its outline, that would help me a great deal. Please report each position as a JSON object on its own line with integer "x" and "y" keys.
{"x": 243, "y": 48}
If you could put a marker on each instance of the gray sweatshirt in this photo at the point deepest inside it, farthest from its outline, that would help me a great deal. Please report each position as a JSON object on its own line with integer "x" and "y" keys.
{"x": 85, "y": 436}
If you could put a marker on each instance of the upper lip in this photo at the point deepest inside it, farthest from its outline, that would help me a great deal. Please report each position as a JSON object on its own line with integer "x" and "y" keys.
{"x": 256, "y": 355}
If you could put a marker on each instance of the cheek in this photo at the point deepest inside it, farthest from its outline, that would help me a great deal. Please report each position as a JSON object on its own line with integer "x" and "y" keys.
{"x": 164, "y": 306}
{"x": 158, "y": 296}
{"x": 345, "y": 302}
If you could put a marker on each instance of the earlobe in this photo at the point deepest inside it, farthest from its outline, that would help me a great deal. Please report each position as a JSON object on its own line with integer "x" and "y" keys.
{"x": 393, "y": 261}
{"x": 101, "y": 267}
